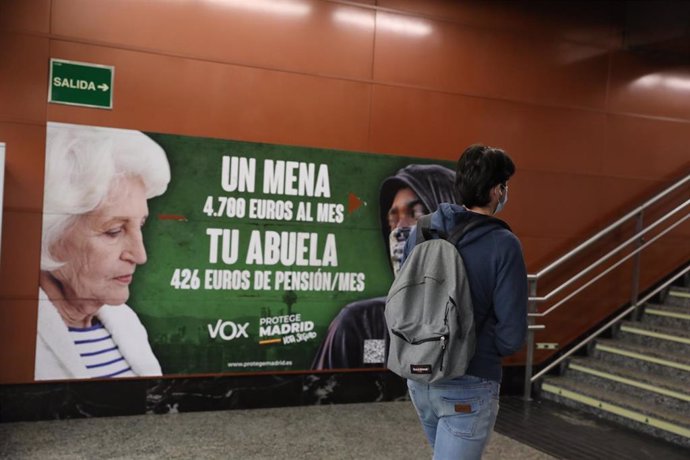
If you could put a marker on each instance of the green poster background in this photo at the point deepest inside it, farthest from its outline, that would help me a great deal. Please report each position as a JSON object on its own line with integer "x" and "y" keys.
{"x": 193, "y": 329}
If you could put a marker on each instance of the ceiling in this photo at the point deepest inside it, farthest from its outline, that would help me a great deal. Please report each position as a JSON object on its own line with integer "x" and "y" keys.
{"x": 660, "y": 28}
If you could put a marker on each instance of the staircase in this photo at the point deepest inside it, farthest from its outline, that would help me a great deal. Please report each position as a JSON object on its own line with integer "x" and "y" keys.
{"x": 639, "y": 378}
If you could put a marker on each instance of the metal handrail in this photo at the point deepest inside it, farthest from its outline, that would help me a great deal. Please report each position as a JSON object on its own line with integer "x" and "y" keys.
{"x": 605, "y": 257}
{"x": 612, "y": 267}
{"x": 609, "y": 324}
{"x": 608, "y": 229}
{"x": 640, "y": 231}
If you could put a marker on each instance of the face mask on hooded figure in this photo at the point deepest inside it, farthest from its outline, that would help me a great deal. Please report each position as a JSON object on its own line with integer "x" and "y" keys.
{"x": 396, "y": 246}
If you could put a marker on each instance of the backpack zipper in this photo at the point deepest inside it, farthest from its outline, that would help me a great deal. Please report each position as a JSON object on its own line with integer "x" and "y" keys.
{"x": 417, "y": 342}
{"x": 441, "y": 339}
{"x": 443, "y": 350}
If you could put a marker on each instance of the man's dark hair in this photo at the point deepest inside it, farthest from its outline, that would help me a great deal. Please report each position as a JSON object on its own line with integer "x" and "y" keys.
{"x": 480, "y": 168}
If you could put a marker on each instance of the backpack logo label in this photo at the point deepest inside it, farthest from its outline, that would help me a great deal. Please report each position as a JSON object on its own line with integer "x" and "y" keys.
{"x": 420, "y": 368}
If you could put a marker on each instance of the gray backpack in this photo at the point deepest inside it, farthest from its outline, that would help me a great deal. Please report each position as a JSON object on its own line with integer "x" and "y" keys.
{"x": 429, "y": 311}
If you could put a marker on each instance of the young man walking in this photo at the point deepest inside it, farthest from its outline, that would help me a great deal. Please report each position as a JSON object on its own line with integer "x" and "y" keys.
{"x": 458, "y": 415}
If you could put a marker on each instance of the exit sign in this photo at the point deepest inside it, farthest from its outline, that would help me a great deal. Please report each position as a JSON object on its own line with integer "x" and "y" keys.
{"x": 81, "y": 83}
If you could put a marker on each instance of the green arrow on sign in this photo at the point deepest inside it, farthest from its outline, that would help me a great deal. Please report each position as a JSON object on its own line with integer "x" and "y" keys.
{"x": 80, "y": 83}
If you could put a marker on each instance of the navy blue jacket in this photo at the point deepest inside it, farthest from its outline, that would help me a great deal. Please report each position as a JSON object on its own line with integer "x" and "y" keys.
{"x": 498, "y": 281}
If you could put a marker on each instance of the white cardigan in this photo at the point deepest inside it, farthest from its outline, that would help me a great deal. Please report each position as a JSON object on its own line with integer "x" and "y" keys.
{"x": 57, "y": 356}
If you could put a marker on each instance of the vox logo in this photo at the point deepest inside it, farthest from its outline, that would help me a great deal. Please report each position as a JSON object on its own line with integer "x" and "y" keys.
{"x": 228, "y": 330}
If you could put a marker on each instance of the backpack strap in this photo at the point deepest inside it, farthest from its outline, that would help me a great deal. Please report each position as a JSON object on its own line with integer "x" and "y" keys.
{"x": 476, "y": 220}
{"x": 424, "y": 230}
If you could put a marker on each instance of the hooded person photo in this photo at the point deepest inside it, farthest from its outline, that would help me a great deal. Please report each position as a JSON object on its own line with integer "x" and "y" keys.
{"x": 357, "y": 336}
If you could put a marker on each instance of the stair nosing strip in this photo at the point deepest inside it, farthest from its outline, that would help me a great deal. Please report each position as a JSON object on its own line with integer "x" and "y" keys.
{"x": 684, "y": 295}
{"x": 627, "y": 381}
{"x": 617, "y": 410}
{"x": 670, "y": 314}
{"x": 651, "y": 359}
{"x": 656, "y": 335}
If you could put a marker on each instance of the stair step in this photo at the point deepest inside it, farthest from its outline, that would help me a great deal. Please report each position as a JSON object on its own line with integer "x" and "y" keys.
{"x": 653, "y": 335}
{"x": 678, "y": 296}
{"x": 670, "y": 311}
{"x": 665, "y": 315}
{"x": 633, "y": 377}
{"x": 662, "y": 391}
{"x": 668, "y": 424}
{"x": 654, "y": 361}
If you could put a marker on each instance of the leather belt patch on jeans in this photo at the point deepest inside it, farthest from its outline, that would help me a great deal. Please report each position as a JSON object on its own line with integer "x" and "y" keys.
{"x": 463, "y": 408}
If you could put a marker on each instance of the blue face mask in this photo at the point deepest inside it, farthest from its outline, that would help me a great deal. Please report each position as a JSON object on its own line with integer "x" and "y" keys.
{"x": 502, "y": 201}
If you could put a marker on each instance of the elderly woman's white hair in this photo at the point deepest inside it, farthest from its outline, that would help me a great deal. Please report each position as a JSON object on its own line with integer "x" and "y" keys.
{"x": 82, "y": 164}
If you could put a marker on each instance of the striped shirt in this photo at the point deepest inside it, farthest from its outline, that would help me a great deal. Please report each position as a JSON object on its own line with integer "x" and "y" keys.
{"x": 99, "y": 353}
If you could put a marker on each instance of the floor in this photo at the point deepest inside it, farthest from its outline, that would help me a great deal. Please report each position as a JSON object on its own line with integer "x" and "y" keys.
{"x": 390, "y": 430}
{"x": 567, "y": 433}
{"x": 387, "y": 430}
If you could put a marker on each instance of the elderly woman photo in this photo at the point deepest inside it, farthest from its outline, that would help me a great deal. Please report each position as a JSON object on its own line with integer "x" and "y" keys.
{"x": 97, "y": 183}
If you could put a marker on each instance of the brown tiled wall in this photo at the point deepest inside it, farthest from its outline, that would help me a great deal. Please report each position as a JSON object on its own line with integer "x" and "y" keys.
{"x": 547, "y": 81}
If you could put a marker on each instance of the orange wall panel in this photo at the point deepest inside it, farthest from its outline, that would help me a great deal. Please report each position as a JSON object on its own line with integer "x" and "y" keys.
{"x": 586, "y": 22}
{"x": 21, "y": 252}
{"x": 569, "y": 205}
{"x": 31, "y": 16}
{"x": 646, "y": 148}
{"x": 17, "y": 327}
{"x": 406, "y": 121}
{"x": 448, "y": 57}
{"x": 23, "y": 77}
{"x": 540, "y": 251}
{"x": 671, "y": 252}
{"x": 24, "y": 159}
{"x": 300, "y": 36}
{"x": 177, "y": 95}
{"x": 649, "y": 86}
{"x": 410, "y": 121}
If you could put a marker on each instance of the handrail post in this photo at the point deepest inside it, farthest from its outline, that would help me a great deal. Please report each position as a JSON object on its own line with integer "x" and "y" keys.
{"x": 531, "y": 308}
{"x": 635, "y": 291}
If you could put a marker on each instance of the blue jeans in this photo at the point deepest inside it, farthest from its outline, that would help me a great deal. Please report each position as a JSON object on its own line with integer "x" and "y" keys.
{"x": 458, "y": 416}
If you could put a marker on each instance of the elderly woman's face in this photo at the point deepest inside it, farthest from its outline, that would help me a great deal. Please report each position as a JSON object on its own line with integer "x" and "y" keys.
{"x": 102, "y": 248}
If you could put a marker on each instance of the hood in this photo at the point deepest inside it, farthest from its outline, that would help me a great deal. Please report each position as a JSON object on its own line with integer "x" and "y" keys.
{"x": 433, "y": 184}
{"x": 448, "y": 216}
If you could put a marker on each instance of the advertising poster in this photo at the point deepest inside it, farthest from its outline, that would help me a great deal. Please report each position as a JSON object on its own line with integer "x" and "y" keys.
{"x": 236, "y": 261}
